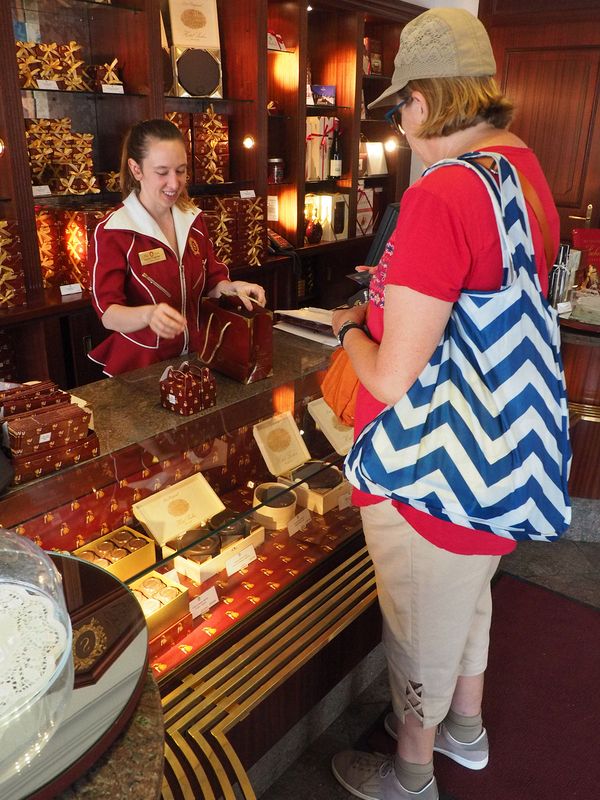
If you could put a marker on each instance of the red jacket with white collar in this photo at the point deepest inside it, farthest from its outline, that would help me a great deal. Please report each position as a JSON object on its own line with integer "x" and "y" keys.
{"x": 134, "y": 265}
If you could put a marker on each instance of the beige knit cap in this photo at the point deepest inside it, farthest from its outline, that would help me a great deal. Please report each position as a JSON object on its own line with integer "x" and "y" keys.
{"x": 440, "y": 43}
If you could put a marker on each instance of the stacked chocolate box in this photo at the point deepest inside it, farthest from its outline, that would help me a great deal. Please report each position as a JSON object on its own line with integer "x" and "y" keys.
{"x": 207, "y": 142}
{"x": 43, "y": 430}
{"x": 60, "y": 157}
{"x": 12, "y": 280}
{"x": 49, "y": 65}
{"x": 64, "y": 239}
{"x": 237, "y": 227}
{"x": 8, "y": 360}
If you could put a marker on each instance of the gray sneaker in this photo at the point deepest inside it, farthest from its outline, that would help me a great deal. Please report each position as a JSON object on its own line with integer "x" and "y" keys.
{"x": 373, "y": 777}
{"x": 474, "y": 755}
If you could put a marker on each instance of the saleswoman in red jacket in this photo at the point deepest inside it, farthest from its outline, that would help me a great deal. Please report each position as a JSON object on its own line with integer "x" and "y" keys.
{"x": 153, "y": 259}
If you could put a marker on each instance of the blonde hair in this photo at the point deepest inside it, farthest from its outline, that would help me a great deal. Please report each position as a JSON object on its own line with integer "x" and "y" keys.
{"x": 135, "y": 146}
{"x": 456, "y": 104}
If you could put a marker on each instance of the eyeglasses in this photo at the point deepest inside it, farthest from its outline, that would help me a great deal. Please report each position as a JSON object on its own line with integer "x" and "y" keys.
{"x": 392, "y": 120}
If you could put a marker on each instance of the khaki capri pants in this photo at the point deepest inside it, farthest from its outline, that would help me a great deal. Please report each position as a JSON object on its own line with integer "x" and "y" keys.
{"x": 436, "y": 609}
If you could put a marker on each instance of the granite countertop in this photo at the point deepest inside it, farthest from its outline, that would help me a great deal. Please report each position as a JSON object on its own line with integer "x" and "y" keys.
{"x": 127, "y": 407}
{"x": 132, "y": 768}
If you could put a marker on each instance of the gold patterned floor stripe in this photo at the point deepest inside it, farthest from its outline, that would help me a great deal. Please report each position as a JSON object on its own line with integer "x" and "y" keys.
{"x": 203, "y": 709}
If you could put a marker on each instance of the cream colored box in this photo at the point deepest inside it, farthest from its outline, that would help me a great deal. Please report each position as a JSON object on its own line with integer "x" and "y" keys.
{"x": 178, "y": 508}
{"x": 339, "y": 436}
{"x": 202, "y": 572}
{"x": 284, "y": 450}
{"x": 168, "y": 613}
{"x": 132, "y": 563}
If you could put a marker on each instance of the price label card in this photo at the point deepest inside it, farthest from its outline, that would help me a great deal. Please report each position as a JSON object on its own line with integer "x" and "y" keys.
{"x": 201, "y": 604}
{"x": 47, "y": 85}
{"x": 299, "y": 522}
{"x": 247, "y": 193}
{"x": 272, "y": 208}
{"x": 41, "y": 191}
{"x": 345, "y": 500}
{"x": 113, "y": 88}
{"x": 240, "y": 560}
{"x": 70, "y": 288}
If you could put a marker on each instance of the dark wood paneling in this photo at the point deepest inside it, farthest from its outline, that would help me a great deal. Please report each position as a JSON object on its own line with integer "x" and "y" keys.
{"x": 552, "y": 70}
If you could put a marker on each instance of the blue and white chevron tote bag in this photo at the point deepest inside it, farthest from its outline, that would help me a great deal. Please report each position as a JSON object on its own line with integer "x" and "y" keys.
{"x": 481, "y": 438}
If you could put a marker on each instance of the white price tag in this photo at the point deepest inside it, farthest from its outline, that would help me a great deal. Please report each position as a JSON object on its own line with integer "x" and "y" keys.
{"x": 240, "y": 560}
{"x": 272, "y": 208}
{"x": 44, "y": 437}
{"x": 70, "y": 288}
{"x": 172, "y": 399}
{"x": 247, "y": 193}
{"x": 45, "y": 85}
{"x": 201, "y": 604}
{"x": 41, "y": 191}
{"x": 299, "y": 522}
{"x": 113, "y": 88}
{"x": 345, "y": 500}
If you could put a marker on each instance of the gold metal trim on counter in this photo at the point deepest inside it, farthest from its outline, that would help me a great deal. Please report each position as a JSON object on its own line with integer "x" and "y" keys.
{"x": 199, "y": 759}
{"x": 584, "y": 411}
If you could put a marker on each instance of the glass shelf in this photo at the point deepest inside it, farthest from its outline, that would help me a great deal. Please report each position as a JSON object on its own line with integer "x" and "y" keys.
{"x": 71, "y": 93}
{"x": 324, "y": 111}
{"x": 48, "y": 6}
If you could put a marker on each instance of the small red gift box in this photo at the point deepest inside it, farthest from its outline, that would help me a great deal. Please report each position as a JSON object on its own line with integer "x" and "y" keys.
{"x": 188, "y": 389}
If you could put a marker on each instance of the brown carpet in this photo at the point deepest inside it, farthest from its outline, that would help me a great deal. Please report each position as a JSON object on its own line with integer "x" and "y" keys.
{"x": 541, "y": 705}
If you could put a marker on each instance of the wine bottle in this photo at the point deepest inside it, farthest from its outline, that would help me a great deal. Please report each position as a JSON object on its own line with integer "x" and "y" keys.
{"x": 335, "y": 153}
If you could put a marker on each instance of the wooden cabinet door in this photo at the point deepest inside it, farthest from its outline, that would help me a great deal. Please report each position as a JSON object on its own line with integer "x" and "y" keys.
{"x": 548, "y": 58}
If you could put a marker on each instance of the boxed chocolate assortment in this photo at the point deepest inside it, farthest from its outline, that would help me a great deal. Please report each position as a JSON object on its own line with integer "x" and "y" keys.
{"x": 212, "y": 544}
{"x": 124, "y": 552}
{"x": 188, "y": 511}
{"x": 237, "y": 227}
{"x": 206, "y": 136}
{"x": 44, "y": 429}
{"x": 188, "y": 389}
{"x": 274, "y": 505}
{"x": 12, "y": 279}
{"x": 162, "y": 600}
{"x": 287, "y": 457}
{"x": 54, "y": 66}
{"x": 340, "y": 436}
{"x": 59, "y": 157}
{"x": 64, "y": 238}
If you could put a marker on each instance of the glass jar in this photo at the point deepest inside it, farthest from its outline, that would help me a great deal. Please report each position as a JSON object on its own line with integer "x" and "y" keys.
{"x": 275, "y": 170}
{"x": 35, "y": 630}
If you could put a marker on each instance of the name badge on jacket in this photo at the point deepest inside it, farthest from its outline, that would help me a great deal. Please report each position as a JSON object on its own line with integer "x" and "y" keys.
{"x": 152, "y": 256}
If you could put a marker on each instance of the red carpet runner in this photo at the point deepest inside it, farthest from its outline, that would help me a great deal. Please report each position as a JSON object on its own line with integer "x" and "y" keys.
{"x": 541, "y": 705}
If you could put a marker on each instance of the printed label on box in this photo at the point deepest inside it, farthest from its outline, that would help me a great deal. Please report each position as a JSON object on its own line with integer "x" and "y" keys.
{"x": 45, "y": 437}
{"x": 47, "y": 85}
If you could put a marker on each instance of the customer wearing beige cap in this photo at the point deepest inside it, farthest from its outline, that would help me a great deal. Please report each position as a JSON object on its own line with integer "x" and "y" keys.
{"x": 433, "y": 576}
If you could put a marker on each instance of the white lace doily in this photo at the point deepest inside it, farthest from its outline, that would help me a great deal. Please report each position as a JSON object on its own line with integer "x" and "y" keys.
{"x": 32, "y": 641}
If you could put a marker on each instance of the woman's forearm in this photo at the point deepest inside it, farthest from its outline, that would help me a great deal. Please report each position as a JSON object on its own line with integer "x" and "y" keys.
{"x": 127, "y": 319}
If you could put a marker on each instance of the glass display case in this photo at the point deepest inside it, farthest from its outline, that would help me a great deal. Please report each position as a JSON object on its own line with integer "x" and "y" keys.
{"x": 210, "y": 518}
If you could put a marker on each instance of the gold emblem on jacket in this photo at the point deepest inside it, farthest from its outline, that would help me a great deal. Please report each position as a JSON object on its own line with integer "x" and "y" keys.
{"x": 194, "y": 247}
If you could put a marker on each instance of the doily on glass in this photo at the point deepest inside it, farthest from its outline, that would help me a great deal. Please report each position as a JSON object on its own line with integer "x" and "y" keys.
{"x": 32, "y": 641}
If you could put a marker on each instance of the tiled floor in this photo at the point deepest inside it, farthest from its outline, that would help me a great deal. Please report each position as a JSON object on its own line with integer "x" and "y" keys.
{"x": 570, "y": 566}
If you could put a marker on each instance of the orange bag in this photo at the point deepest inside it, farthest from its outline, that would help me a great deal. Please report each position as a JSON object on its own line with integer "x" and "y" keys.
{"x": 340, "y": 386}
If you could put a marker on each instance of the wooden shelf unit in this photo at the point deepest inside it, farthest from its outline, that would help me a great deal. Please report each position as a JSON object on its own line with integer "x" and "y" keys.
{"x": 330, "y": 38}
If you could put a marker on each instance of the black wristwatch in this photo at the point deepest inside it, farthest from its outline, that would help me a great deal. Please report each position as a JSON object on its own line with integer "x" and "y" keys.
{"x": 345, "y": 327}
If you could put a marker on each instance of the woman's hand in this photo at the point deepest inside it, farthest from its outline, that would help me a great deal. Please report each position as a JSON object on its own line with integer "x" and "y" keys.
{"x": 356, "y": 314}
{"x": 165, "y": 321}
{"x": 244, "y": 290}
